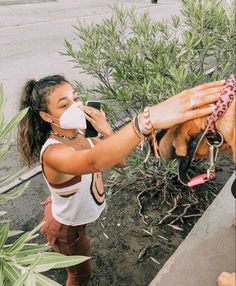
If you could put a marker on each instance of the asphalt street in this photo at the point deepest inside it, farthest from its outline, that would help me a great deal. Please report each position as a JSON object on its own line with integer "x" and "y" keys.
{"x": 32, "y": 35}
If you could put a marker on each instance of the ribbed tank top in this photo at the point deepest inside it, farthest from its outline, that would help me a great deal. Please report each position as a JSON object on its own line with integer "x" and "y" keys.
{"x": 85, "y": 205}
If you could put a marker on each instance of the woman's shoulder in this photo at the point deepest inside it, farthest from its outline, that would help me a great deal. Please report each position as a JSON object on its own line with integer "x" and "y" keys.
{"x": 48, "y": 142}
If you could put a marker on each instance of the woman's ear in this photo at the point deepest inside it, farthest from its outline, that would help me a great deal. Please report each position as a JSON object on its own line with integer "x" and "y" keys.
{"x": 45, "y": 116}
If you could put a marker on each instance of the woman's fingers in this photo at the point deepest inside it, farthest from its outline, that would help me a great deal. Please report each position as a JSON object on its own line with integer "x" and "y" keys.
{"x": 187, "y": 105}
{"x": 90, "y": 119}
{"x": 103, "y": 113}
{"x": 211, "y": 98}
{"x": 203, "y": 93}
{"x": 196, "y": 113}
{"x": 92, "y": 112}
{"x": 196, "y": 102}
{"x": 208, "y": 85}
{"x": 203, "y": 97}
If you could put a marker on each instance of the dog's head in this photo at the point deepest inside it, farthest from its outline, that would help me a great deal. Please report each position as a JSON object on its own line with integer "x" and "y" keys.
{"x": 175, "y": 141}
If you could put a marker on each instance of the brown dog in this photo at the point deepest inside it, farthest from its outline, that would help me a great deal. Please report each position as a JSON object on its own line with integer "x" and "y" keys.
{"x": 174, "y": 142}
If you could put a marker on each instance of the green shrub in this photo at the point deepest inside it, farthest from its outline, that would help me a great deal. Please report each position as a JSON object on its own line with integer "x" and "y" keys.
{"x": 138, "y": 62}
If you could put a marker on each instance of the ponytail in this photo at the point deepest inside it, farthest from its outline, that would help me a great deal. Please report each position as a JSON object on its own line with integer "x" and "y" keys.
{"x": 33, "y": 131}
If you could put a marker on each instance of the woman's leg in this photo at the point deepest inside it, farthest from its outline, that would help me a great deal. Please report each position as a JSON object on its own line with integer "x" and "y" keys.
{"x": 77, "y": 243}
{"x": 68, "y": 240}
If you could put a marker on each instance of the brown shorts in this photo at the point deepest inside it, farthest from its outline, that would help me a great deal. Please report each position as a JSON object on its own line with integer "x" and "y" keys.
{"x": 68, "y": 240}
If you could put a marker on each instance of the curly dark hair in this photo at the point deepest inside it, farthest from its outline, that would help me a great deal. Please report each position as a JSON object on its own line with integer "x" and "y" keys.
{"x": 33, "y": 131}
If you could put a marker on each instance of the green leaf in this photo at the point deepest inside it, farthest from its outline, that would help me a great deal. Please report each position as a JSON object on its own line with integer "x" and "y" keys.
{"x": 8, "y": 178}
{"x": 176, "y": 21}
{"x": 4, "y": 147}
{"x": 22, "y": 280}
{"x": 29, "y": 259}
{"x": 37, "y": 259}
{"x": 1, "y": 119}
{"x": 30, "y": 280}
{"x": 2, "y": 275}
{"x": 3, "y": 234}
{"x": 11, "y": 272}
{"x": 56, "y": 260}
{"x": 24, "y": 255}
{"x": 4, "y": 221}
{"x": 12, "y": 233}
{"x": 36, "y": 229}
{"x": 2, "y": 100}
{"x": 44, "y": 281}
{"x": 13, "y": 194}
{"x": 13, "y": 122}
{"x": 18, "y": 244}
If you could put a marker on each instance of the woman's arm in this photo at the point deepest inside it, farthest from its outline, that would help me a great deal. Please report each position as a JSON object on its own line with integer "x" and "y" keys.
{"x": 115, "y": 148}
{"x": 96, "y": 140}
{"x": 107, "y": 153}
{"x": 98, "y": 119}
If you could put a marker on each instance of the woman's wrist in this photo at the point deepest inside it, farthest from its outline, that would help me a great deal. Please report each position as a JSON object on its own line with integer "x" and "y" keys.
{"x": 145, "y": 123}
{"x": 142, "y": 126}
{"x": 108, "y": 132}
{"x": 155, "y": 123}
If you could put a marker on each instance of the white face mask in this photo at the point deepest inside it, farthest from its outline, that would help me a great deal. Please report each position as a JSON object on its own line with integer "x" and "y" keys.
{"x": 73, "y": 118}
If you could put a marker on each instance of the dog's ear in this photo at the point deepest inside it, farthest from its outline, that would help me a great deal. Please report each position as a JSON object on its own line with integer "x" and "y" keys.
{"x": 166, "y": 149}
{"x": 183, "y": 134}
{"x": 186, "y": 131}
{"x": 181, "y": 139}
{"x": 175, "y": 142}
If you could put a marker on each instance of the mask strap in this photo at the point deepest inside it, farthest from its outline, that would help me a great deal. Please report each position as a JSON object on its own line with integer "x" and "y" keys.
{"x": 53, "y": 122}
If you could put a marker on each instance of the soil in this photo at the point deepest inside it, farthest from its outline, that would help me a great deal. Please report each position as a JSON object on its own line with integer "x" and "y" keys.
{"x": 125, "y": 251}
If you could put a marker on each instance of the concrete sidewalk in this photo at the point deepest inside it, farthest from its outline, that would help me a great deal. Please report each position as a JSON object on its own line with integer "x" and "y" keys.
{"x": 208, "y": 250}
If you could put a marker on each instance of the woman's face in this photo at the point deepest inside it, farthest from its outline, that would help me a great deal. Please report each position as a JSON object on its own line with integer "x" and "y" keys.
{"x": 59, "y": 100}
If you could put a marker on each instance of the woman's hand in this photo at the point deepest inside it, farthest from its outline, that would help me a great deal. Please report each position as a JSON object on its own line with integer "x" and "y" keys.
{"x": 186, "y": 105}
{"x": 98, "y": 120}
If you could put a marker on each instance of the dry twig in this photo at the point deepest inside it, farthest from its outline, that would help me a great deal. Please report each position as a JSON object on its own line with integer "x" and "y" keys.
{"x": 182, "y": 214}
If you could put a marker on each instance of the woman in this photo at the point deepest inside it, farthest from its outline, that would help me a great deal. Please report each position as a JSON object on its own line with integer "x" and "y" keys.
{"x": 52, "y": 133}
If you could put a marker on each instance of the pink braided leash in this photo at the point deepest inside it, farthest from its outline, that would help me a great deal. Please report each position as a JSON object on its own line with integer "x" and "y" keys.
{"x": 223, "y": 103}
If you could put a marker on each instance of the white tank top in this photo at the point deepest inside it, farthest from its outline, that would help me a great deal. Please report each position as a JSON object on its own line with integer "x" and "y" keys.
{"x": 85, "y": 205}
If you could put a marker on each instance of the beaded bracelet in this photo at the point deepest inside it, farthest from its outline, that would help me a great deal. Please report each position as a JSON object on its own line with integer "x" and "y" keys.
{"x": 149, "y": 129}
{"x": 137, "y": 130}
{"x": 144, "y": 130}
{"x": 146, "y": 115}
